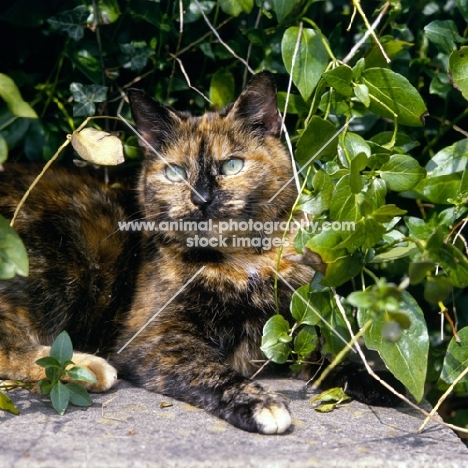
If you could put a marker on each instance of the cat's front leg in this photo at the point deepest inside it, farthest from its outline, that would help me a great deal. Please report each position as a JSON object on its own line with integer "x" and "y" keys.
{"x": 19, "y": 363}
{"x": 191, "y": 370}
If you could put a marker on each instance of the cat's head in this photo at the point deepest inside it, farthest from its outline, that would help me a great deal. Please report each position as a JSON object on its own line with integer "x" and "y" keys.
{"x": 227, "y": 165}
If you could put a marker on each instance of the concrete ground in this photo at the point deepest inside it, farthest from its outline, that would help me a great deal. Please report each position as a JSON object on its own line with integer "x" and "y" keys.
{"x": 131, "y": 427}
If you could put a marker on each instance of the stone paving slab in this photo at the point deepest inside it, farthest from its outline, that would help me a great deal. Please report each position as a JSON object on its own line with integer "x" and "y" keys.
{"x": 128, "y": 427}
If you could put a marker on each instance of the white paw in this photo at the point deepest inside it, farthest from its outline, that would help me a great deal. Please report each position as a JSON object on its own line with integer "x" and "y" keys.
{"x": 106, "y": 375}
{"x": 273, "y": 417}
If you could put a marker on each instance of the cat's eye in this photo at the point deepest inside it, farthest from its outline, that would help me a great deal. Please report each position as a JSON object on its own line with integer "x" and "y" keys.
{"x": 175, "y": 173}
{"x": 232, "y": 166}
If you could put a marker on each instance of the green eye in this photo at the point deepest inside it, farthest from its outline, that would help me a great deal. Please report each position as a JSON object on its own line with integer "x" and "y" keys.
{"x": 175, "y": 173}
{"x": 232, "y": 166}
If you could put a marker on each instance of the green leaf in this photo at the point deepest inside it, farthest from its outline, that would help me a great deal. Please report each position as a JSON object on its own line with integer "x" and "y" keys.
{"x": 452, "y": 260}
{"x": 3, "y": 150}
{"x": 391, "y": 93}
{"x": 283, "y": 8}
{"x": 62, "y": 348}
{"x": 53, "y": 374}
{"x": 81, "y": 373}
{"x": 60, "y": 397}
{"x": 7, "y": 405}
{"x": 456, "y": 361}
{"x": 336, "y": 395}
{"x": 236, "y": 7}
{"x": 222, "y": 88}
{"x": 340, "y": 78}
{"x": 135, "y": 55}
{"x": 356, "y": 180}
{"x": 276, "y": 329}
{"x": 311, "y": 60}
{"x": 443, "y": 34}
{"x": 361, "y": 91}
{"x": 12, "y": 96}
{"x": 85, "y": 97}
{"x": 402, "y": 172}
{"x": 302, "y": 307}
{"x": 71, "y": 21}
{"x": 13, "y": 255}
{"x": 109, "y": 12}
{"x": 305, "y": 342}
{"x": 406, "y": 358}
{"x": 318, "y": 140}
{"x": 437, "y": 289}
{"x": 46, "y": 386}
{"x": 386, "y": 213}
{"x": 337, "y": 264}
{"x": 344, "y": 204}
{"x": 78, "y": 395}
{"x": 458, "y": 69}
{"x": 85, "y": 62}
{"x": 48, "y": 361}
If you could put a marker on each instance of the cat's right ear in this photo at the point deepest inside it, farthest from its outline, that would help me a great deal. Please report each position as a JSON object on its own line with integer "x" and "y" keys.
{"x": 154, "y": 121}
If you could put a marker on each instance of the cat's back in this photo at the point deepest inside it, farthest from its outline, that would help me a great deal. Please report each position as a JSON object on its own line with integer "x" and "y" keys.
{"x": 80, "y": 262}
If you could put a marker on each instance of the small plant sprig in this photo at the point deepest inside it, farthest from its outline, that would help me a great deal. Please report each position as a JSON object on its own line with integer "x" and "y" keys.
{"x": 56, "y": 368}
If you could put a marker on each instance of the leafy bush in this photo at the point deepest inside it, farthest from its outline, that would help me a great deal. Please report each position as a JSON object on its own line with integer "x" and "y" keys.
{"x": 376, "y": 122}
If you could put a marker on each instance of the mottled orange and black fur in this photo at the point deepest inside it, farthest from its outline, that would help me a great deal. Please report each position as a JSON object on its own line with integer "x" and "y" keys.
{"x": 104, "y": 285}
{"x": 176, "y": 319}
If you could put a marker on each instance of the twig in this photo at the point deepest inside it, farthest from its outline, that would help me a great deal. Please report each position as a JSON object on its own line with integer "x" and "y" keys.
{"x": 370, "y": 31}
{"x": 207, "y": 21}
{"x": 442, "y": 398}
{"x": 187, "y": 79}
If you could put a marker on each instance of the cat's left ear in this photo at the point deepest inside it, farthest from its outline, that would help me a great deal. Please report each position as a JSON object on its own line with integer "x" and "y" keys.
{"x": 256, "y": 106}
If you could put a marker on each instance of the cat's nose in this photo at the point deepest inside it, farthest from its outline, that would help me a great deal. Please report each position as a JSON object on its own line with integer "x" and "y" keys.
{"x": 201, "y": 197}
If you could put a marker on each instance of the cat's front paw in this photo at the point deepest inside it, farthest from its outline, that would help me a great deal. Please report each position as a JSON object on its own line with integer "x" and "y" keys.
{"x": 255, "y": 410}
{"x": 106, "y": 375}
{"x": 272, "y": 416}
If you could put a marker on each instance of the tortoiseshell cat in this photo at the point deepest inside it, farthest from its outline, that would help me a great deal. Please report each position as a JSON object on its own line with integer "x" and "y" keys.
{"x": 174, "y": 318}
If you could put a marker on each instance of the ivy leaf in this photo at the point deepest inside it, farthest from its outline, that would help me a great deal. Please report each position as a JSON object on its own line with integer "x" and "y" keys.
{"x": 392, "y": 92}
{"x": 13, "y": 255}
{"x": 406, "y": 358}
{"x": 402, "y": 172}
{"x": 62, "y": 349}
{"x": 71, "y": 21}
{"x": 85, "y": 97}
{"x": 311, "y": 60}
{"x": 135, "y": 55}
{"x": 7, "y": 405}
{"x": 443, "y": 34}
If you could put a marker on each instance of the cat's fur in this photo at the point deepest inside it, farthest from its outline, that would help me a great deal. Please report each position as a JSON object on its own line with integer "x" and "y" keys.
{"x": 142, "y": 299}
